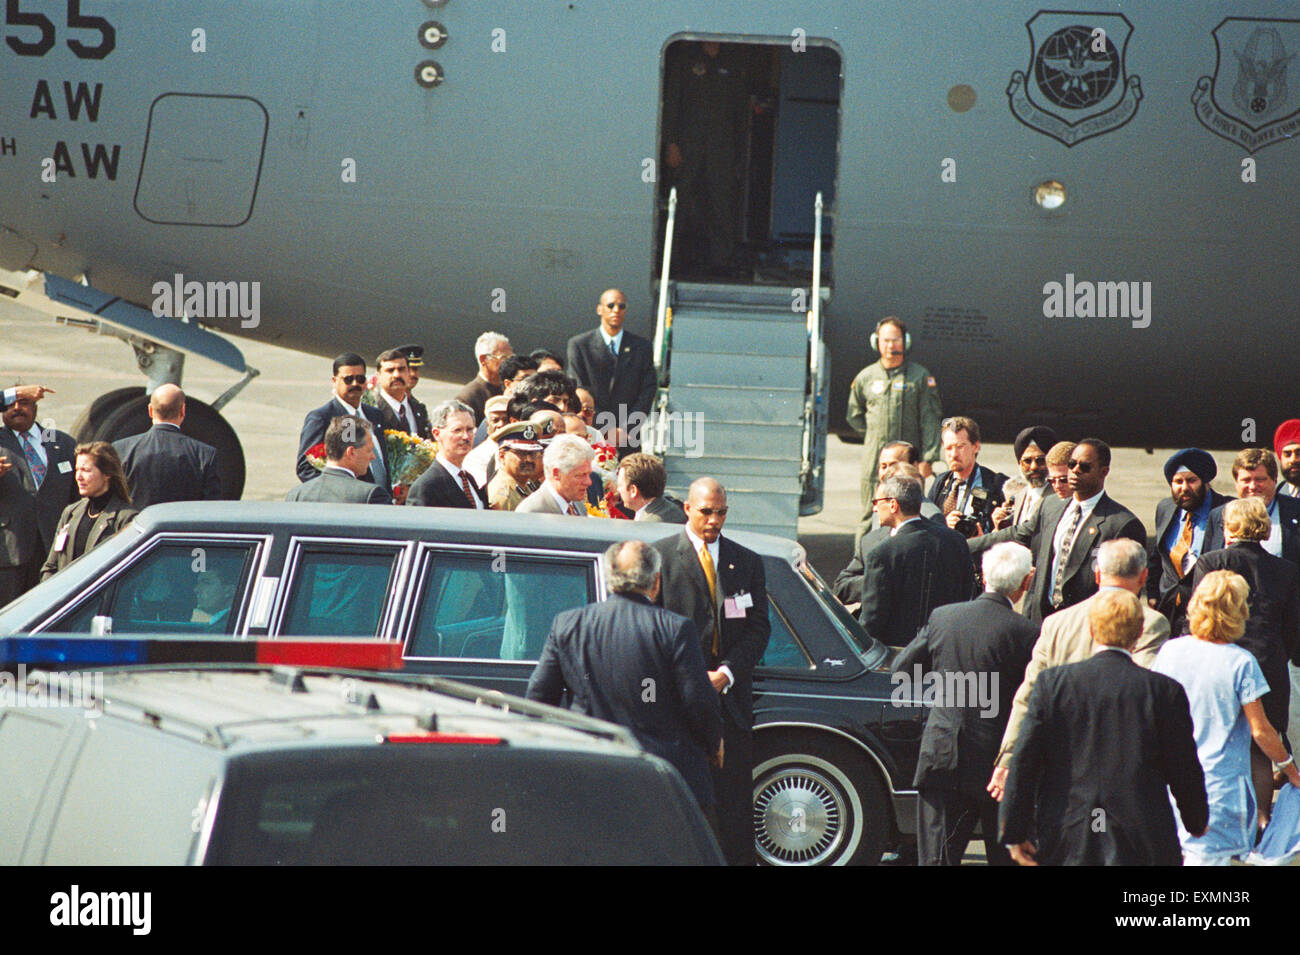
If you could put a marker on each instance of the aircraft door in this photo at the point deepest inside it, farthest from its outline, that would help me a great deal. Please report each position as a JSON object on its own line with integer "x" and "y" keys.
{"x": 749, "y": 135}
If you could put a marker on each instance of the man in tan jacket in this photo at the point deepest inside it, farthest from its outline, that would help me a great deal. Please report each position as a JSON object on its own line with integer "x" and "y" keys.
{"x": 1121, "y": 563}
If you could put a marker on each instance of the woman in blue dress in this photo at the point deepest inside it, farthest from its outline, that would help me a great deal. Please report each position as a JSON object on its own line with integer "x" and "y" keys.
{"x": 1224, "y": 685}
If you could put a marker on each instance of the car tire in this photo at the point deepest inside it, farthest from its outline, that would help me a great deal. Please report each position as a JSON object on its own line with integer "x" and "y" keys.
{"x": 817, "y": 801}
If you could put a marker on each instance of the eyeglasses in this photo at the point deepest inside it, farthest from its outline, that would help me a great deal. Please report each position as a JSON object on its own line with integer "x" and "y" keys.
{"x": 710, "y": 511}
{"x": 615, "y": 306}
{"x": 1034, "y": 461}
{"x": 1063, "y": 479}
{"x": 1083, "y": 467}
{"x": 877, "y": 500}
{"x": 352, "y": 379}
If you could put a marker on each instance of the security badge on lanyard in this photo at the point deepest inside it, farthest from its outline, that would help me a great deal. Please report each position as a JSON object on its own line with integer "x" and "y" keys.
{"x": 735, "y": 606}
{"x": 61, "y": 541}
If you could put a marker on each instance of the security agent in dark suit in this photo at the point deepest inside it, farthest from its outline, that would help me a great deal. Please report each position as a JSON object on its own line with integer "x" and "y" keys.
{"x": 445, "y": 483}
{"x": 721, "y": 586}
{"x": 1182, "y": 522}
{"x": 1103, "y": 744}
{"x": 987, "y": 642}
{"x": 1273, "y": 628}
{"x": 349, "y": 384}
{"x": 967, "y": 490}
{"x": 164, "y": 465}
{"x": 617, "y": 367}
{"x": 897, "y": 457}
{"x": 349, "y": 450}
{"x": 35, "y": 487}
{"x": 392, "y": 396}
{"x": 921, "y": 566}
{"x": 1063, "y": 535}
{"x": 632, "y": 663}
{"x": 1255, "y": 472}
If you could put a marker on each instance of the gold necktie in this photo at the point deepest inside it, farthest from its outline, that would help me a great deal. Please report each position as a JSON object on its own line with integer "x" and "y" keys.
{"x": 1182, "y": 545}
{"x": 711, "y": 575}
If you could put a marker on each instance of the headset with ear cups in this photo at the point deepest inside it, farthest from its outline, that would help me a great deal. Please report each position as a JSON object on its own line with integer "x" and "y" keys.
{"x": 907, "y": 336}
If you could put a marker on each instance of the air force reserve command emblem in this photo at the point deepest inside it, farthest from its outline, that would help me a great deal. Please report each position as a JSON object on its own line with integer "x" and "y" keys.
{"x": 1247, "y": 100}
{"x": 1076, "y": 86}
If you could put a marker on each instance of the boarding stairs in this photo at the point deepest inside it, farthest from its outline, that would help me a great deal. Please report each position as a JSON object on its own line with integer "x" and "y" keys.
{"x": 742, "y": 398}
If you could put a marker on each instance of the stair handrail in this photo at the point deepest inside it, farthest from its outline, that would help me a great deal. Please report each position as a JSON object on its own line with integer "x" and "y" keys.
{"x": 661, "y": 312}
{"x": 814, "y": 343}
{"x": 815, "y": 355}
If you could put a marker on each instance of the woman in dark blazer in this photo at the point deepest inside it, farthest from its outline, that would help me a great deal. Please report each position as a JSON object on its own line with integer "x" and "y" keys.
{"x": 104, "y": 508}
{"x": 1273, "y": 628}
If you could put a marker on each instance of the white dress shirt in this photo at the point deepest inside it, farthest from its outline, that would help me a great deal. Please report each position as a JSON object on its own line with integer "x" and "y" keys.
{"x": 696, "y": 544}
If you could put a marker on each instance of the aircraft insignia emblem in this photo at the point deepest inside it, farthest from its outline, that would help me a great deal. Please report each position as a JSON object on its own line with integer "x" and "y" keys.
{"x": 1247, "y": 101}
{"x": 1076, "y": 86}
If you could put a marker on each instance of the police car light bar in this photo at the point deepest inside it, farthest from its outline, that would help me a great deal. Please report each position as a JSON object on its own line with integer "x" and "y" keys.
{"x": 74, "y": 652}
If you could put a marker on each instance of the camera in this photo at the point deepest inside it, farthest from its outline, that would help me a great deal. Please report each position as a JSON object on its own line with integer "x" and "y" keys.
{"x": 968, "y": 525}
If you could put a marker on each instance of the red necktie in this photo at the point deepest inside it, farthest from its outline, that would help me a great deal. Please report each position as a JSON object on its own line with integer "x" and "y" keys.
{"x": 469, "y": 493}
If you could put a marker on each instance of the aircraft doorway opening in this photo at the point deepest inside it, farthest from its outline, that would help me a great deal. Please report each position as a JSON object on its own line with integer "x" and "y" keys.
{"x": 749, "y": 134}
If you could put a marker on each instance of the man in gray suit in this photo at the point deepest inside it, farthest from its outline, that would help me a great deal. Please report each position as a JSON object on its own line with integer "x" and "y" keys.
{"x": 1064, "y": 535}
{"x": 349, "y": 449}
{"x": 567, "y": 466}
{"x": 640, "y": 485}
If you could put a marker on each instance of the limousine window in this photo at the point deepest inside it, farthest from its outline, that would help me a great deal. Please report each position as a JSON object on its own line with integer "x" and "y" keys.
{"x": 783, "y": 649}
{"x": 192, "y": 586}
{"x": 495, "y": 605}
{"x": 338, "y": 590}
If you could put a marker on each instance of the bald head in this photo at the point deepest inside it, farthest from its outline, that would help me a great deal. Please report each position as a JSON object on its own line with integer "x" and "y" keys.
{"x": 167, "y": 403}
{"x": 612, "y": 310}
{"x": 706, "y": 509}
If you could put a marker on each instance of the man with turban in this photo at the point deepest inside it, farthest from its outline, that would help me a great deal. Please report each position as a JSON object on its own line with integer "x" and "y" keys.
{"x": 1181, "y": 523}
{"x": 1031, "y": 446}
{"x": 1286, "y": 445}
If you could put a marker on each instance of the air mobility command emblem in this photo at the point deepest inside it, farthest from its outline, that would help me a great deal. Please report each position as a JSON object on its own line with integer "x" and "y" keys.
{"x": 1076, "y": 86}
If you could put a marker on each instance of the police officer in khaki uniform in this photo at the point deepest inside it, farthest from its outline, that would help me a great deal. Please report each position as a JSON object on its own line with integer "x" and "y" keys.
{"x": 519, "y": 465}
{"x": 893, "y": 400}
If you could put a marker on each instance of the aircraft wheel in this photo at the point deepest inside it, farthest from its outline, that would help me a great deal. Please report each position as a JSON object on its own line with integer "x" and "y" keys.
{"x": 87, "y": 425}
{"x": 201, "y": 423}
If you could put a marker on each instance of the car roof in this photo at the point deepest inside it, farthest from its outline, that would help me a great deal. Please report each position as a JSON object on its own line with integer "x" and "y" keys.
{"x": 258, "y": 706}
{"x": 450, "y": 524}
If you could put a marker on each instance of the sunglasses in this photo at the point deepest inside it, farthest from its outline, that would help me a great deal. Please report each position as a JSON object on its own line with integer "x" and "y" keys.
{"x": 1083, "y": 467}
{"x": 352, "y": 379}
{"x": 616, "y": 306}
{"x": 877, "y": 500}
{"x": 710, "y": 511}
{"x": 1063, "y": 479}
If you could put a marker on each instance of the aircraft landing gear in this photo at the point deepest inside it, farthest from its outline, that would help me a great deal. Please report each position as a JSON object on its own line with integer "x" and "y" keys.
{"x": 124, "y": 411}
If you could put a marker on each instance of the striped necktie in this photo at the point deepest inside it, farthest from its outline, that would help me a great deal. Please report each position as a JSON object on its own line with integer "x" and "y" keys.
{"x": 469, "y": 493}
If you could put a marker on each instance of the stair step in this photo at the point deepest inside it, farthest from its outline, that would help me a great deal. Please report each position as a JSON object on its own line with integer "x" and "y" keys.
{"x": 770, "y": 296}
{"x": 770, "y": 405}
{"x": 739, "y": 336}
{"x": 708, "y": 368}
{"x": 739, "y": 483}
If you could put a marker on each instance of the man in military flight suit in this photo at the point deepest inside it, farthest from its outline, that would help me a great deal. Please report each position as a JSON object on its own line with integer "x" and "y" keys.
{"x": 893, "y": 400}
{"x": 705, "y": 123}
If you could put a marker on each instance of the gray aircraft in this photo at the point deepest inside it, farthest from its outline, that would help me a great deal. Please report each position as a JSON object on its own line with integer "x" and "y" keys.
{"x": 1082, "y": 215}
